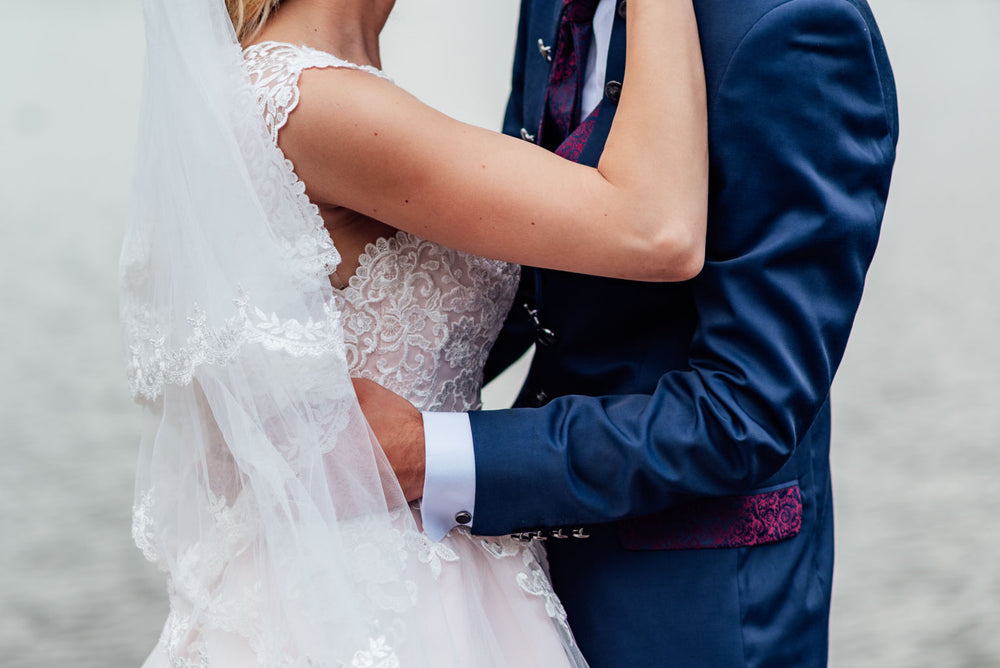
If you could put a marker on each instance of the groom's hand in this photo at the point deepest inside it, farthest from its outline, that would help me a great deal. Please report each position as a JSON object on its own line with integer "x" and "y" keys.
{"x": 399, "y": 428}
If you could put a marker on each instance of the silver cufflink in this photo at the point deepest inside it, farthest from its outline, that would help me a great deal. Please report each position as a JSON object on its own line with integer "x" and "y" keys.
{"x": 463, "y": 517}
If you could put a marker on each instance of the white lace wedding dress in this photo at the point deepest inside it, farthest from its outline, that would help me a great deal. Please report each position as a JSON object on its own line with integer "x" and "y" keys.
{"x": 420, "y": 319}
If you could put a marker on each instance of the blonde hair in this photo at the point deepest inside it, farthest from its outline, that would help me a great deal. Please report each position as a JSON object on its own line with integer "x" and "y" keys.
{"x": 248, "y": 16}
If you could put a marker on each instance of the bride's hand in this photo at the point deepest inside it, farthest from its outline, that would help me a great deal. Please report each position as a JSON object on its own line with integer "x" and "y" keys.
{"x": 399, "y": 428}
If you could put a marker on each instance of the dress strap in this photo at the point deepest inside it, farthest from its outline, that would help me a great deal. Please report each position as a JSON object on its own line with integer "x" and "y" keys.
{"x": 275, "y": 68}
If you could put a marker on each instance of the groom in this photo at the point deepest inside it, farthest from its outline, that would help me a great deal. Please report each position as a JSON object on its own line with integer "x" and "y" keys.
{"x": 672, "y": 440}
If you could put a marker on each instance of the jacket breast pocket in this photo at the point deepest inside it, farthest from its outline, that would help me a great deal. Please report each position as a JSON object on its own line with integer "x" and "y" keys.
{"x": 766, "y": 516}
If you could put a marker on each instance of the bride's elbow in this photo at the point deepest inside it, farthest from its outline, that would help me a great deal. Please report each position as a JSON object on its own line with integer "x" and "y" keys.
{"x": 677, "y": 253}
{"x": 690, "y": 261}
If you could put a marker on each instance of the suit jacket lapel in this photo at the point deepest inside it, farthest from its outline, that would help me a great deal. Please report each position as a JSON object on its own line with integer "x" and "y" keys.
{"x": 543, "y": 25}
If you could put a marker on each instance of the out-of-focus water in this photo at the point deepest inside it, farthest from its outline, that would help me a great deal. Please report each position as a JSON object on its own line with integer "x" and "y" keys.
{"x": 916, "y": 402}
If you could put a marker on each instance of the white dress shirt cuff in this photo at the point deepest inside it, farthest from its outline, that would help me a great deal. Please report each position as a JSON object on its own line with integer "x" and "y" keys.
{"x": 449, "y": 475}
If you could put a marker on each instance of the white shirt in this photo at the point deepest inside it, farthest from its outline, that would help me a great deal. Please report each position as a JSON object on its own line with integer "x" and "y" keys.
{"x": 450, "y": 475}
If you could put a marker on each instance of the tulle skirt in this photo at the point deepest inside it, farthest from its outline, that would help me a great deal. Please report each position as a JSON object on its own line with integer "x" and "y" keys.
{"x": 494, "y": 608}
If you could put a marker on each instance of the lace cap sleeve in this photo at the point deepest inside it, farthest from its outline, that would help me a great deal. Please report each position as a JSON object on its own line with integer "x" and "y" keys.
{"x": 274, "y": 69}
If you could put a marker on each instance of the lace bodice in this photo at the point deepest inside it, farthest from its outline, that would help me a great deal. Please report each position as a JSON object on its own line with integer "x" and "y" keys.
{"x": 419, "y": 318}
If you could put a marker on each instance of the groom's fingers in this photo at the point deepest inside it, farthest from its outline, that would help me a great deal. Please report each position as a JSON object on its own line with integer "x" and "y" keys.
{"x": 399, "y": 428}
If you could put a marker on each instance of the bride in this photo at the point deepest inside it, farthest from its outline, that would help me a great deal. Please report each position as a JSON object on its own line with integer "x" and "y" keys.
{"x": 296, "y": 221}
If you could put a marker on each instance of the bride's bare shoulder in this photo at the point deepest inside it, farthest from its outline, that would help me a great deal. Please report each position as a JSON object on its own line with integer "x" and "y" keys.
{"x": 353, "y": 120}
{"x": 349, "y": 98}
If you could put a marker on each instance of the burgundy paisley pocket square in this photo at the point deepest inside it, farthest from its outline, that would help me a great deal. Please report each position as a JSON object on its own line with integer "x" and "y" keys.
{"x": 720, "y": 522}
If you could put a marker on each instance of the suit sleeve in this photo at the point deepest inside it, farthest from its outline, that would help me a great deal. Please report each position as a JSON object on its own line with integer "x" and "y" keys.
{"x": 803, "y": 142}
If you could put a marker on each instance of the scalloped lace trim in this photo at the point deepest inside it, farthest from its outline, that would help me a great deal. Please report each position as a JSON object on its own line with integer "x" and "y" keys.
{"x": 152, "y": 364}
{"x": 275, "y": 68}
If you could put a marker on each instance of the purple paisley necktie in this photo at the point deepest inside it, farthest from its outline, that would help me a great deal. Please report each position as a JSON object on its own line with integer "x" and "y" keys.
{"x": 566, "y": 79}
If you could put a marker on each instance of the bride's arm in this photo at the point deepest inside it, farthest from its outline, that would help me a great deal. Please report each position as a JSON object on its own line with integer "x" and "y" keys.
{"x": 362, "y": 143}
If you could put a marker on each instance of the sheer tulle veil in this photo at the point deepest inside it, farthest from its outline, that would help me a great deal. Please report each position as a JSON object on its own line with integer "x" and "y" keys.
{"x": 260, "y": 489}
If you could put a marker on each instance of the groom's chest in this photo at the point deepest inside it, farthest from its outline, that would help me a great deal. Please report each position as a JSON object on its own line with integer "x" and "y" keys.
{"x": 602, "y": 75}
{"x": 721, "y": 27}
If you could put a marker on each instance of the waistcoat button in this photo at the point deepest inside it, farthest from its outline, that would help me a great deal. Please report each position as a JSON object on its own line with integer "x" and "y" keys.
{"x": 544, "y": 51}
{"x": 539, "y": 399}
{"x": 545, "y": 337}
{"x": 613, "y": 91}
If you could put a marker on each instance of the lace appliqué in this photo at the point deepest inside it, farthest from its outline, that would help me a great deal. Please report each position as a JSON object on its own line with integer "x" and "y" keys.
{"x": 307, "y": 254}
{"x": 536, "y": 582}
{"x": 379, "y": 654}
{"x": 142, "y": 527}
{"x": 434, "y": 555}
{"x": 152, "y": 363}
{"x": 379, "y": 559}
{"x": 534, "y": 578}
{"x": 420, "y": 319}
{"x": 275, "y": 68}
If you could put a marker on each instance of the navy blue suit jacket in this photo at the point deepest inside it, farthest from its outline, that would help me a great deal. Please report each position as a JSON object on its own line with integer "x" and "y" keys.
{"x": 656, "y": 396}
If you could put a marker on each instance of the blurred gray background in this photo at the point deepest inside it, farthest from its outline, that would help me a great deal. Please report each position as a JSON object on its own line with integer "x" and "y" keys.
{"x": 916, "y": 453}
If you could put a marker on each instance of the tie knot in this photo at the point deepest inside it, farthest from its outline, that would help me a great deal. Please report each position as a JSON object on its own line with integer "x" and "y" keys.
{"x": 579, "y": 11}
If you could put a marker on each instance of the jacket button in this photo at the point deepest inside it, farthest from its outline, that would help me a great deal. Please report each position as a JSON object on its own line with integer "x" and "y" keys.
{"x": 527, "y": 136}
{"x": 621, "y": 8}
{"x": 613, "y": 91}
{"x": 539, "y": 399}
{"x": 544, "y": 51}
{"x": 545, "y": 336}
{"x": 463, "y": 517}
